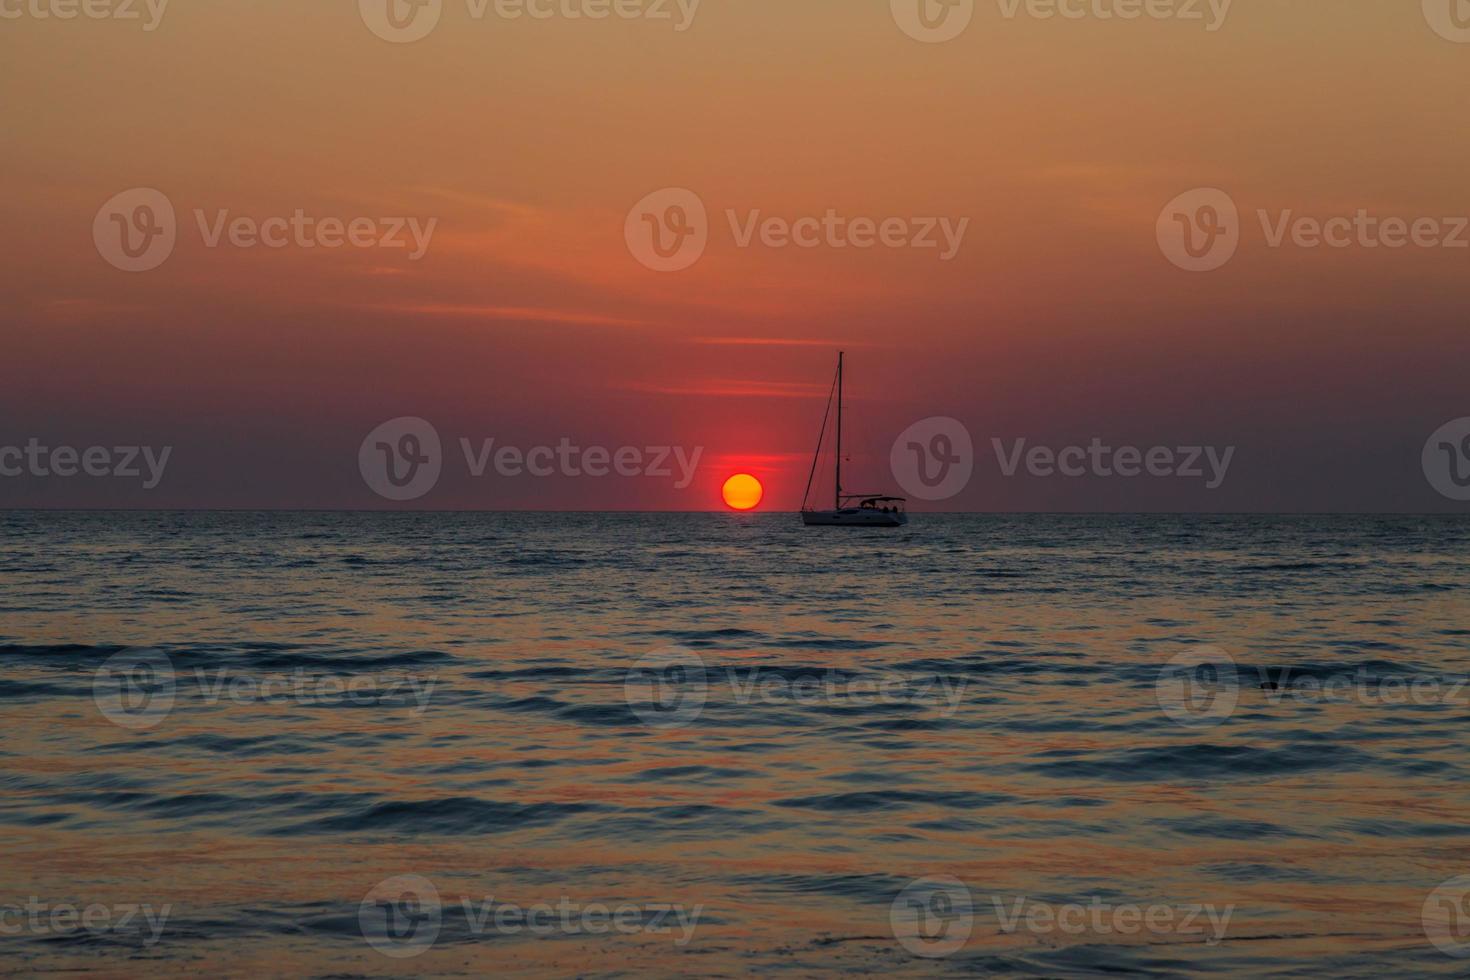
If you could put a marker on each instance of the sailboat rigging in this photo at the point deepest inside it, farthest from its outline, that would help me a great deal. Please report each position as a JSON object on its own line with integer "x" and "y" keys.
{"x": 848, "y": 509}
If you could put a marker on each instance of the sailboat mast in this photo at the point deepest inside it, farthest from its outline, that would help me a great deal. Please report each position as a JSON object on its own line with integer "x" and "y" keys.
{"x": 839, "y": 431}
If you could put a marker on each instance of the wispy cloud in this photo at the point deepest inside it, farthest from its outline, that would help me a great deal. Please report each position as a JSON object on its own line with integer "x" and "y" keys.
{"x": 511, "y": 313}
{"x": 736, "y": 389}
{"x": 775, "y": 342}
{"x": 79, "y": 308}
{"x": 482, "y": 201}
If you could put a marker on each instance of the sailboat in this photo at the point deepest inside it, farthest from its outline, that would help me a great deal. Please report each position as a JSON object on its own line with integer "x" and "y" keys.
{"x": 848, "y": 509}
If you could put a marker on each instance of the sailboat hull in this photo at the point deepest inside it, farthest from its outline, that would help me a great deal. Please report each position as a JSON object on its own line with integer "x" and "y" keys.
{"x": 853, "y": 517}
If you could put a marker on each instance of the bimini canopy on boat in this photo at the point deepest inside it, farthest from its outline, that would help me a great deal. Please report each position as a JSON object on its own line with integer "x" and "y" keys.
{"x": 875, "y": 502}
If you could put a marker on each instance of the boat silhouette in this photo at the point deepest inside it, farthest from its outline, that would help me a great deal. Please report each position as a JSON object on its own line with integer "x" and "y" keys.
{"x": 848, "y": 509}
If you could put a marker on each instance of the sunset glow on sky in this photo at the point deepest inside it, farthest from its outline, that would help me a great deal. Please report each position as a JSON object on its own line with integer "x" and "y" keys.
{"x": 528, "y": 320}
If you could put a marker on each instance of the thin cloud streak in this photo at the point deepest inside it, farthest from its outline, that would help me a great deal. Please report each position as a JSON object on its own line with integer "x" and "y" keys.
{"x": 501, "y": 313}
{"x": 778, "y": 342}
{"x": 736, "y": 389}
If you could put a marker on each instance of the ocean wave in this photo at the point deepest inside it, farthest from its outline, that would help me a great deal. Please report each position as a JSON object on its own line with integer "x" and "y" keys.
{"x": 447, "y": 816}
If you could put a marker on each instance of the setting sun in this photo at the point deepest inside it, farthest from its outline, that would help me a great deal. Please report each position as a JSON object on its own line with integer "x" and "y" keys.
{"x": 743, "y": 492}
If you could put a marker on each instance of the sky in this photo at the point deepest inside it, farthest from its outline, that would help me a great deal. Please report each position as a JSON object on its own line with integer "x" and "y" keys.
{"x": 507, "y": 173}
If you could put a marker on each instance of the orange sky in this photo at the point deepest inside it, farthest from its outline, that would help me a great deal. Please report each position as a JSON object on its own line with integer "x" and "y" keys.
{"x": 528, "y": 319}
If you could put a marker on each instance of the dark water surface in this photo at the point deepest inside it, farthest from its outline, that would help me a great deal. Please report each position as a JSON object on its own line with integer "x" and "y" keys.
{"x": 748, "y": 736}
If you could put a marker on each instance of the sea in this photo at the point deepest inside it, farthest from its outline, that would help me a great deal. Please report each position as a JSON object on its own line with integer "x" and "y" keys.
{"x": 371, "y": 744}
